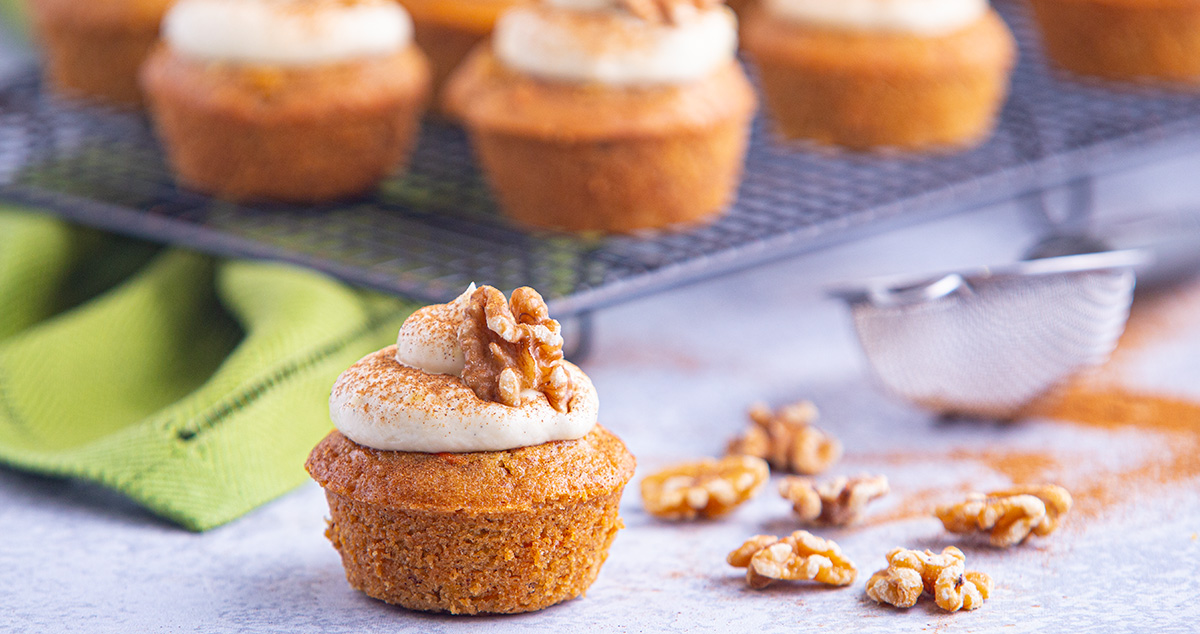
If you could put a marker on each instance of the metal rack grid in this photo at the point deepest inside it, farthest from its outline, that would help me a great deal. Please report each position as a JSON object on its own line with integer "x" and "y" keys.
{"x": 430, "y": 232}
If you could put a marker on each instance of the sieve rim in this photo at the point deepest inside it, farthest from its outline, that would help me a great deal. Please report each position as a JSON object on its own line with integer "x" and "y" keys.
{"x": 911, "y": 289}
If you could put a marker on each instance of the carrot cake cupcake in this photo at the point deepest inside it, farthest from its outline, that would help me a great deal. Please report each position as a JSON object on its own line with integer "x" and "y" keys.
{"x": 290, "y": 100}
{"x": 1154, "y": 40}
{"x": 911, "y": 74}
{"x": 93, "y": 49}
{"x": 446, "y": 30}
{"x": 608, "y": 115}
{"x": 467, "y": 473}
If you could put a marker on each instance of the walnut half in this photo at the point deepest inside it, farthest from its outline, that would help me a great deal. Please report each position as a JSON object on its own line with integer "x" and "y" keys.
{"x": 942, "y": 575}
{"x": 706, "y": 488}
{"x": 788, "y": 440}
{"x": 800, "y": 556}
{"x": 836, "y": 502}
{"x": 1009, "y": 516}
{"x": 512, "y": 347}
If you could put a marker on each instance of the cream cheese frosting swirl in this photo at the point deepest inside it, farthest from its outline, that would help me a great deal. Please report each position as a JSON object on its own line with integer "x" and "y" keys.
{"x": 594, "y": 41}
{"x": 410, "y": 397}
{"x": 286, "y": 32}
{"x": 927, "y": 18}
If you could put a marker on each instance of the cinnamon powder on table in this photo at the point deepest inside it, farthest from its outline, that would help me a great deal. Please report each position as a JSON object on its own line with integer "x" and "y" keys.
{"x": 1095, "y": 401}
{"x": 1099, "y": 401}
{"x": 1114, "y": 409}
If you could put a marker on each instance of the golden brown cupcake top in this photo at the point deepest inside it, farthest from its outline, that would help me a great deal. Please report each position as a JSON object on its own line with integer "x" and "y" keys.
{"x": 492, "y": 481}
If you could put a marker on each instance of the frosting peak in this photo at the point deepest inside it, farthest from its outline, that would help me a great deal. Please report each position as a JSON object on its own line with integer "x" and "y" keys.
{"x": 287, "y": 32}
{"x": 428, "y": 339}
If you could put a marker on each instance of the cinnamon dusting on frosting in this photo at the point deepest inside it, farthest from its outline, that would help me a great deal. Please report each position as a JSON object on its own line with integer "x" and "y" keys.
{"x": 428, "y": 339}
{"x": 617, "y": 42}
{"x": 665, "y": 11}
{"x": 510, "y": 347}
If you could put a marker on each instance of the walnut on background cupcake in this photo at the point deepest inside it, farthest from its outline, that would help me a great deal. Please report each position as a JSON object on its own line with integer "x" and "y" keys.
{"x": 1134, "y": 40}
{"x": 608, "y": 115}
{"x": 468, "y": 473}
{"x": 297, "y": 101}
{"x": 93, "y": 49}
{"x": 447, "y": 30}
{"x": 909, "y": 74}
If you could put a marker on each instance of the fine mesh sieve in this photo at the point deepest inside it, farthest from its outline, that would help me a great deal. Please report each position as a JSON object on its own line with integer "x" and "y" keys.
{"x": 986, "y": 342}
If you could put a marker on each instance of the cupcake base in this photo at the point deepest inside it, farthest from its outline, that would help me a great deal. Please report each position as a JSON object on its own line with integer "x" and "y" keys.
{"x": 869, "y": 90}
{"x": 595, "y": 158}
{"x": 473, "y": 563}
{"x": 1131, "y": 40}
{"x": 301, "y": 135}
{"x": 485, "y": 532}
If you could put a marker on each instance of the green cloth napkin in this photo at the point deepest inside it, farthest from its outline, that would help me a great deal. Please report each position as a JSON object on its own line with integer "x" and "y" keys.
{"x": 194, "y": 385}
{"x": 14, "y": 17}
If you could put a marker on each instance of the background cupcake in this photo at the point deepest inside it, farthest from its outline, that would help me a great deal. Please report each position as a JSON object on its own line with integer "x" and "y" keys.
{"x": 290, "y": 100}
{"x": 1156, "y": 40}
{"x": 446, "y": 30}
{"x": 93, "y": 49}
{"x": 599, "y": 115}
{"x": 912, "y": 74}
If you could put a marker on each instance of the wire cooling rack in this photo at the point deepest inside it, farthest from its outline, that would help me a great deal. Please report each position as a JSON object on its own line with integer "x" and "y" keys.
{"x": 429, "y": 233}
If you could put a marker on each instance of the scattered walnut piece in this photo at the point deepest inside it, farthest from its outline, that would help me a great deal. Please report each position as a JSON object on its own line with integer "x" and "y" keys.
{"x": 942, "y": 575}
{"x": 800, "y": 556}
{"x": 513, "y": 346}
{"x": 836, "y": 502}
{"x": 928, "y": 564}
{"x": 961, "y": 590}
{"x": 1057, "y": 500}
{"x": 900, "y": 587}
{"x": 707, "y": 488}
{"x": 664, "y": 11}
{"x": 788, "y": 440}
{"x": 1010, "y": 515}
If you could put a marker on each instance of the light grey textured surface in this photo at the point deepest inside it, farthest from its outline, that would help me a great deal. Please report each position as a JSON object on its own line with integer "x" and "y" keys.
{"x": 676, "y": 373}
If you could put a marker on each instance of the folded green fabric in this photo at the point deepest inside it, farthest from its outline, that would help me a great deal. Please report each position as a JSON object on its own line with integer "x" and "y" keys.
{"x": 196, "y": 386}
{"x": 14, "y": 17}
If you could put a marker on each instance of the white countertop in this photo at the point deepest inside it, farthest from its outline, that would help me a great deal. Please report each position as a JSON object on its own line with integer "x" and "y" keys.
{"x": 676, "y": 373}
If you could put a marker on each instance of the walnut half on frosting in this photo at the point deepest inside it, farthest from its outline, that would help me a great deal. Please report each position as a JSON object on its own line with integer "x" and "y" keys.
{"x": 512, "y": 347}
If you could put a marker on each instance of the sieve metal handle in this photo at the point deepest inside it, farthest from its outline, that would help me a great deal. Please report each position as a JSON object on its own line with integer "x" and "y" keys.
{"x": 919, "y": 293}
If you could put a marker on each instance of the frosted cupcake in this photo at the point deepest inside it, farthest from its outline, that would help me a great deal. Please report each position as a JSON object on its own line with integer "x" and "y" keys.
{"x": 93, "y": 49}
{"x": 603, "y": 115}
{"x": 911, "y": 74}
{"x": 290, "y": 100}
{"x": 1139, "y": 40}
{"x": 468, "y": 473}
{"x": 447, "y": 30}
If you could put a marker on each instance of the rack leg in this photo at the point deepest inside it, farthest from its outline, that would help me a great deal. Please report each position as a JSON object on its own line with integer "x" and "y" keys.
{"x": 1063, "y": 229}
{"x": 578, "y": 334}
